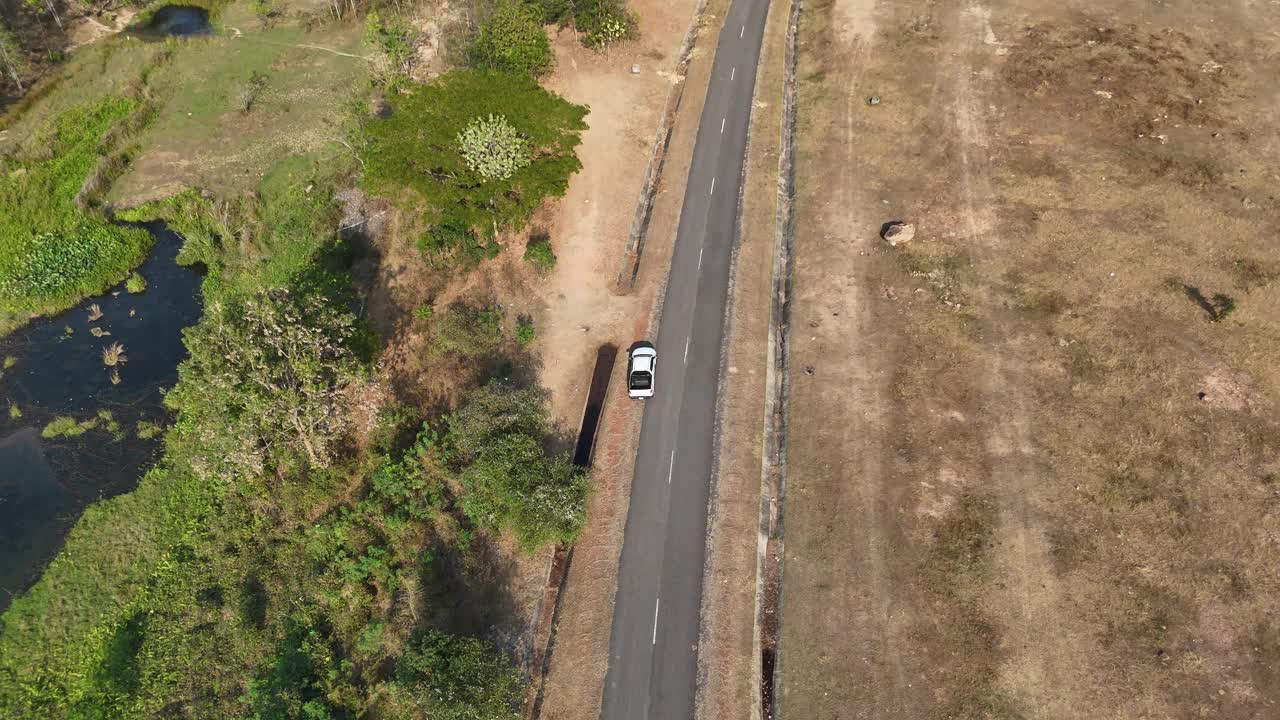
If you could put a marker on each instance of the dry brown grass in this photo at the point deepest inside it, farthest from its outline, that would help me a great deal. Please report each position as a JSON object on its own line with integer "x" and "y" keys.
{"x": 1050, "y": 489}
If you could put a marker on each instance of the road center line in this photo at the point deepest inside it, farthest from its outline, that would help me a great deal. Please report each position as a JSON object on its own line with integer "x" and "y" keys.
{"x": 671, "y": 467}
{"x": 744, "y": 29}
{"x": 721, "y": 124}
{"x": 656, "y": 603}
{"x": 733, "y": 73}
{"x": 686, "y": 353}
{"x": 713, "y": 186}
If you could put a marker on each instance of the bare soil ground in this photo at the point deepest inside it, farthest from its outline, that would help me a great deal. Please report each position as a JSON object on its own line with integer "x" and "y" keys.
{"x": 1033, "y": 452}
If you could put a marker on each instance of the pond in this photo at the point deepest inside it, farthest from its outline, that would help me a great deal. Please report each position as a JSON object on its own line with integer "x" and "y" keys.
{"x": 54, "y": 368}
{"x": 181, "y": 20}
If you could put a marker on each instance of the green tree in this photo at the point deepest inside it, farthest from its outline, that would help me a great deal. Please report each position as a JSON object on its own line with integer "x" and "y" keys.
{"x": 493, "y": 411}
{"x": 416, "y": 148}
{"x": 263, "y": 383}
{"x": 460, "y": 678}
{"x": 513, "y": 40}
{"x": 515, "y": 484}
{"x": 493, "y": 148}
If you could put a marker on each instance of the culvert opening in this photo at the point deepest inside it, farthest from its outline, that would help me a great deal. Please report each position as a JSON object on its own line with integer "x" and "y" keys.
{"x": 606, "y": 355}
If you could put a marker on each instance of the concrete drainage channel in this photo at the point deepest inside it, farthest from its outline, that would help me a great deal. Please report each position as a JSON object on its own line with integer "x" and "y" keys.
{"x": 773, "y": 472}
{"x": 549, "y": 612}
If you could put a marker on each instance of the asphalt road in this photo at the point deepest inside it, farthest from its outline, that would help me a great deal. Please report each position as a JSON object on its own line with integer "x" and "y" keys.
{"x": 653, "y": 644}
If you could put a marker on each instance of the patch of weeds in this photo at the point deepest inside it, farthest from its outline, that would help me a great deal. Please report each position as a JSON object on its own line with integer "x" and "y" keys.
{"x": 67, "y": 427}
{"x": 538, "y": 253}
{"x": 423, "y": 312}
{"x": 466, "y": 330}
{"x": 10, "y": 361}
{"x": 15, "y": 412}
{"x": 135, "y": 284}
{"x": 107, "y": 421}
{"x": 526, "y": 333}
{"x": 146, "y": 430}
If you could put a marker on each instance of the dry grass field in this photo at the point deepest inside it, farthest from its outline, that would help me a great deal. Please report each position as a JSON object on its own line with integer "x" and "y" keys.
{"x": 1035, "y": 451}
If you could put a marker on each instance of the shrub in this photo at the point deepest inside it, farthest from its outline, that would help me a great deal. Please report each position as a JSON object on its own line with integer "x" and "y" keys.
{"x": 511, "y": 482}
{"x": 392, "y": 39}
{"x": 466, "y": 330}
{"x": 495, "y": 410}
{"x": 539, "y": 254}
{"x": 603, "y": 23}
{"x": 513, "y": 40}
{"x": 525, "y": 331}
{"x": 460, "y": 678}
{"x": 15, "y": 412}
{"x": 514, "y": 484}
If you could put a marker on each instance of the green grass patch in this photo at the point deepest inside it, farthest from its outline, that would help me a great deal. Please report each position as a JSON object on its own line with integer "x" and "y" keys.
{"x": 52, "y": 252}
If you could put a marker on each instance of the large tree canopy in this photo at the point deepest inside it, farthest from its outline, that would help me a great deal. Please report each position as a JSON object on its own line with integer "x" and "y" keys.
{"x": 417, "y": 148}
{"x": 263, "y": 382}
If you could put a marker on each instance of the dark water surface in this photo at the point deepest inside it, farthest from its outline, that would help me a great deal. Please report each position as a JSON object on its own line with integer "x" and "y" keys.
{"x": 45, "y": 484}
{"x": 181, "y": 20}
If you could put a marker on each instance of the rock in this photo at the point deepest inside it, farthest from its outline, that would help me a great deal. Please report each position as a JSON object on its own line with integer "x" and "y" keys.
{"x": 896, "y": 233}
{"x": 873, "y": 100}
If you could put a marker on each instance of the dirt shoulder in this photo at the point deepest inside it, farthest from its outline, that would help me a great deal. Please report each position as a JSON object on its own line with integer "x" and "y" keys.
{"x": 1032, "y": 451}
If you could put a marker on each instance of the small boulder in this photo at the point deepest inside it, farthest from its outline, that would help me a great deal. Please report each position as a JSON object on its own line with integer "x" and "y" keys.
{"x": 896, "y": 233}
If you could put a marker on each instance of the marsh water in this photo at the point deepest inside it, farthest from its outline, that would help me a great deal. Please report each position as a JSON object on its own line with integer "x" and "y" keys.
{"x": 181, "y": 20}
{"x": 55, "y": 369}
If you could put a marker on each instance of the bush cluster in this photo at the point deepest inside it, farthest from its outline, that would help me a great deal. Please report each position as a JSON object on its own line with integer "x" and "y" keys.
{"x": 513, "y": 40}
